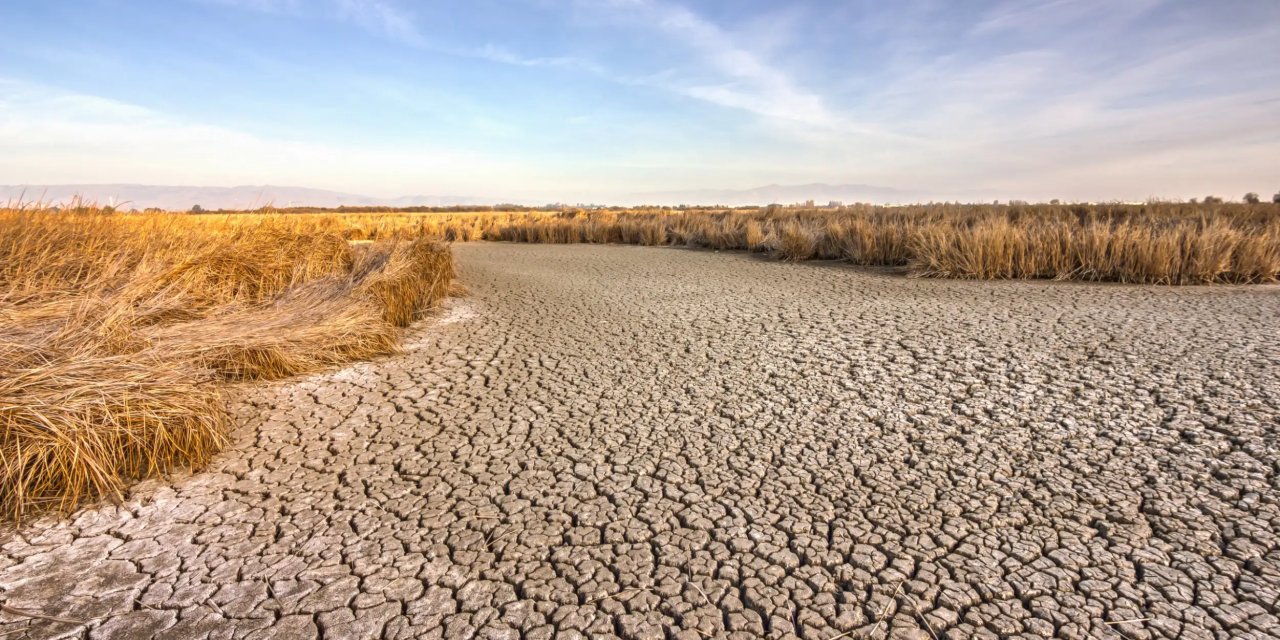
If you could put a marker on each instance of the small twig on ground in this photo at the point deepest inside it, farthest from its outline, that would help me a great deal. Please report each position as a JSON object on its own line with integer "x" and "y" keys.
{"x": 38, "y": 616}
{"x": 607, "y": 596}
{"x": 885, "y": 610}
{"x": 489, "y": 541}
{"x": 25, "y": 628}
{"x": 1115, "y": 622}
{"x": 704, "y": 593}
{"x": 927, "y": 625}
{"x": 216, "y": 609}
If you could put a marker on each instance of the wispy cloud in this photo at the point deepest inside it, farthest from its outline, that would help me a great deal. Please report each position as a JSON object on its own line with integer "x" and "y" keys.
{"x": 375, "y": 16}
{"x": 1015, "y": 15}
{"x": 52, "y": 136}
{"x": 749, "y": 82}
{"x": 740, "y": 78}
{"x": 381, "y": 17}
{"x": 1182, "y": 105}
{"x": 1079, "y": 98}
{"x": 500, "y": 54}
{"x": 265, "y": 6}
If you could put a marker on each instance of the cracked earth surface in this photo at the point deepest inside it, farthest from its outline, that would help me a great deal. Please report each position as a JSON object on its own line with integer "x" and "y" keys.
{"x": 648, "y": 443}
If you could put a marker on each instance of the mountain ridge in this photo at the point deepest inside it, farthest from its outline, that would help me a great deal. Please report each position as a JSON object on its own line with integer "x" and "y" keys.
{"x": 181, "y": 197}
{"x": 241, "y": 197}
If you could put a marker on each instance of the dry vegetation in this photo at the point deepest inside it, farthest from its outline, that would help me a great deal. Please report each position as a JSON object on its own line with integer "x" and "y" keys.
{"x": 113, "y": 327}
{"x": 1157, "y": 243}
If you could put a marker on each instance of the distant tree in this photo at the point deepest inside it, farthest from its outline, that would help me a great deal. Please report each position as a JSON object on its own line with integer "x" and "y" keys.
{"x": 1194, "y": 201}
{"x": 1055, "y": 201}
{"x": 1252, "y": 198}
{"x": 1212, "y": 200}
{"x": 197, "y": 209}
{"x": 1275, "y": 199}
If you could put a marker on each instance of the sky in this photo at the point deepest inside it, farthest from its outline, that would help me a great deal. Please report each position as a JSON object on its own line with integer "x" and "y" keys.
{"x": 590, "y": 100}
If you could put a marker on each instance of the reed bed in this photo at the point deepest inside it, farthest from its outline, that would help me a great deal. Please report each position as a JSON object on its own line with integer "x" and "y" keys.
{"x": 119, "y": 334}
{"x": 1153, "y": 243}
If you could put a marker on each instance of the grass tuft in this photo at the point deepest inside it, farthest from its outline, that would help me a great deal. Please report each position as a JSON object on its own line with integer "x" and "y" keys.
{"x": 74, "y": 426}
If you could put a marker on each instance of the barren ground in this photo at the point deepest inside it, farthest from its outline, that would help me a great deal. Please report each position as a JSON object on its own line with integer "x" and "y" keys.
{"x": 639, "y": 442}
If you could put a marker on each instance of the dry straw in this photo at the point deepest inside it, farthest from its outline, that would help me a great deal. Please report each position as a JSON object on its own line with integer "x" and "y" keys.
{"x": 112, "y": 326}
{"x": 1151, "y": 243}
{"x": 1154, "y": 243}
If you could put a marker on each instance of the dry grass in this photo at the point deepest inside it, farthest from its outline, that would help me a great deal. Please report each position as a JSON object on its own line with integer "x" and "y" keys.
{"x": 1175, "y": 251}
{"x": 113, "y": 327}
{"x": 74, "y": 426}
{"x": 796, "y": 242}
{"x": 1156, "y": 243}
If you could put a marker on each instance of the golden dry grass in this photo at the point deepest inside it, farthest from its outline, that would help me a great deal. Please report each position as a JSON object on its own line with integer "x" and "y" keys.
{"x": 113, "y": 327}
{"x": 1156, "y": 243}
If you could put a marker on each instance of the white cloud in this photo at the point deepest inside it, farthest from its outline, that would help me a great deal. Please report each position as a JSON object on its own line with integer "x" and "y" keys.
{"x": 265, "y": 6}
{"x": 381, "y": 17}
{"x": 56, "y": 137}
{"x": 1057, "y": 15}
{"x": 375, "y": 16}
{"x": 497, "y": 53}
{"x": 747, "y": 81}
{"x": 1047, "y": 98}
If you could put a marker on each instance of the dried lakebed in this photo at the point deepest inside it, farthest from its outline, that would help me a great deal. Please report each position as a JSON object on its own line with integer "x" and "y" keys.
{"x": 648, "y": 443}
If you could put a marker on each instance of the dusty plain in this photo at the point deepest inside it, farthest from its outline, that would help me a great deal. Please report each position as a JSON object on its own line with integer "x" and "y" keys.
{"x": 654, "y": 442}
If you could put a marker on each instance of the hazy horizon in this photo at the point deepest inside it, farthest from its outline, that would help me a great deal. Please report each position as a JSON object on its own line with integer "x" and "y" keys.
{"x": 248, "y": 197}
{"x": 584, "y": 101}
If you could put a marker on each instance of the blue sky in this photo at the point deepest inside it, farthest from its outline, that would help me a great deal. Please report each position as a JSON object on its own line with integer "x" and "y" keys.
{"x": 593, "y": 99}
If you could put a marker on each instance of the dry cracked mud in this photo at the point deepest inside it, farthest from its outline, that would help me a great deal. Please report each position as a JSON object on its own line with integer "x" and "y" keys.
{"x": 648, "y": 443}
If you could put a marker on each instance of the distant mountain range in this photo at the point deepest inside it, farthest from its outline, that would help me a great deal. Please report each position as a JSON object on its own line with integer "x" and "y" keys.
{"x": 820, "y": 193}
{"x": 143, "y": 196}
{"x": 181, "y": 198}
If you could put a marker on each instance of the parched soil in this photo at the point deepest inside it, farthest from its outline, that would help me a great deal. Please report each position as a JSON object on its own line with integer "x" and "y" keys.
{"x": 648, "y": 443}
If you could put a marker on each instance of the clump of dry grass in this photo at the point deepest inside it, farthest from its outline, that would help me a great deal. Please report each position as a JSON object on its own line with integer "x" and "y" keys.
{"x": 249, "y": 266}
{"x": 74, "y": 425}
{"x": 313, "y": 332}
{"x": 795, "y": 243}
{"x": 405, "y": 279}
{"x": 112, "y": 328}
{"x": 754, "y": 236}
